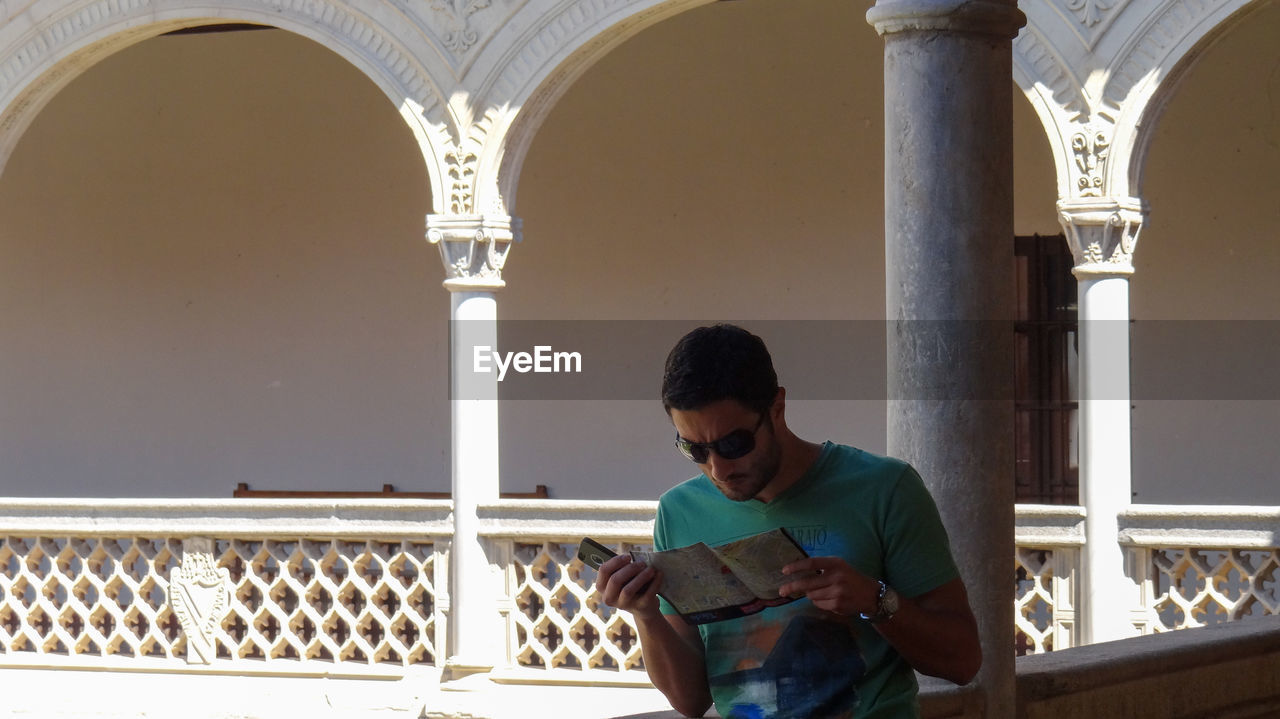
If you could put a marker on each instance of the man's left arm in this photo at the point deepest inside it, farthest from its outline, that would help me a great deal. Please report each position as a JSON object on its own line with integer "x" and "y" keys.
{"x": 935, "y": 632}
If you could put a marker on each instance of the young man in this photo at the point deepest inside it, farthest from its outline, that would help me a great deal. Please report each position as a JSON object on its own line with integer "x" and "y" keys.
{"x": 880, "y": 592}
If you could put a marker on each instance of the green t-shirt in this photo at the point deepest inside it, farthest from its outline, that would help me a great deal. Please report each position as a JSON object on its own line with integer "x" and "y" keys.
{"x": 796, "y": 661}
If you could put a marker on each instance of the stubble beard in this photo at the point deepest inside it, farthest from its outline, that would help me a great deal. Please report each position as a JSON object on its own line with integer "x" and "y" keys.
{"x": 758, "y": 475}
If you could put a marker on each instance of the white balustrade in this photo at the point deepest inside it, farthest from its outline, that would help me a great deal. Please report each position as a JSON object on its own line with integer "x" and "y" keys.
{"x": 1202, "y": 565}
{"x": 558, "y": 629}
{"x": 1047, "y": 542}
{"x": 297, "y": 587}
{"x": 558, "y": 618}
{"x": 359, "y": 587}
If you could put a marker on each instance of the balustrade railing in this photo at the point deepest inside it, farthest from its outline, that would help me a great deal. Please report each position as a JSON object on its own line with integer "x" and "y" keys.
{"x": 269, "y": 586}
{"x": 1200, "y": 566}
{"x": 558, "y": 618}
{"x": 557, "y": 627}
{"x": 359, "y": 587}
{"x": 1047, "y": 542}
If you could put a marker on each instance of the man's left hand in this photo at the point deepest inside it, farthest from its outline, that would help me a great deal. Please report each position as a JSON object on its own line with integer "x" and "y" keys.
{"x": 832, "y": 585}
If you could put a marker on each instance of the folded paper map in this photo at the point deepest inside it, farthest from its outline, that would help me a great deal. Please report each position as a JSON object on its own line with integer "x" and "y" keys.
{"x": 710, "y": 584}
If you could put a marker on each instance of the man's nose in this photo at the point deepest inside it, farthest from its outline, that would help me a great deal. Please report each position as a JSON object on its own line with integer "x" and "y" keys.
{"x": 720, "y": 467}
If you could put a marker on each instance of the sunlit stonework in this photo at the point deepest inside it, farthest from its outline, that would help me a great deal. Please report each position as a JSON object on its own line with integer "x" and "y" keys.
{"x": 200, "y": 594}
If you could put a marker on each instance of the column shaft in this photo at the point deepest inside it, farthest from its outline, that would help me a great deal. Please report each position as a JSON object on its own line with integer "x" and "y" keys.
{"x": 1103, "y": 233}
{"x": 1105, "y": 486}
{"x": 950, "y": 305}
{"x": 473, "y": 249}
{"x": 474, "y": 633}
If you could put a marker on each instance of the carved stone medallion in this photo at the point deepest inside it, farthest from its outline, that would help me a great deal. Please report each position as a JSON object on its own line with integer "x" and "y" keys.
{"x": 200, "y": 594}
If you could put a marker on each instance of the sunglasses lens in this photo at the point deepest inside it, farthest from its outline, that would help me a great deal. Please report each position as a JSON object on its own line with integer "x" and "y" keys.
{"x": 738, "y": 443}
{"x": 696, "y": 452}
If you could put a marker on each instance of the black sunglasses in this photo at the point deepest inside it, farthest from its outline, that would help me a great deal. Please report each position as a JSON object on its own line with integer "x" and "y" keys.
{"x": 737, "y": 443}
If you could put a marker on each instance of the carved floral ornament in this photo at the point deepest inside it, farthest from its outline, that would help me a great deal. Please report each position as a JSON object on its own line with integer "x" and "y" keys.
{"x": 461, "y": 168}
{"x": 458, "y": 34}
{"x": 1089, "y": 20}
{"x": 1090, "y": 147}
{"x": 1090, "y": 12}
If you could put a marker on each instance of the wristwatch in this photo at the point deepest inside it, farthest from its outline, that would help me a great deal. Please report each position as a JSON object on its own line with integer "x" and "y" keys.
{"x": 886, "y": 604}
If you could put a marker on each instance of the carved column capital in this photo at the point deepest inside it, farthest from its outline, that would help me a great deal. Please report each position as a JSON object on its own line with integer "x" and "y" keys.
{"x": 990, "y": 17}
{"x": 1102, "y": 233}
{"x": 473, "y": 248}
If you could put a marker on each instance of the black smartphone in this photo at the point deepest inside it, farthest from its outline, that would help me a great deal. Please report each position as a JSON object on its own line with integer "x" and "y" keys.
{"x": 593, "y": 553}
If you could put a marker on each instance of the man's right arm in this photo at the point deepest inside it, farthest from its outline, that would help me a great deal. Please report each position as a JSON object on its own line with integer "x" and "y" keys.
{"x": 672, "y": 648}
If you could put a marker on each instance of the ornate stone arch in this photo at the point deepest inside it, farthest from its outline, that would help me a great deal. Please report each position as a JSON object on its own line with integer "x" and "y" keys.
{"x": 1147, "y": 74}
{"x": 473, "y": 78}
{"x": 42, "y": 51}
{"x": 537, "y": 66}
{"x": 1055, "y": 93}
{"x": 1100, "y": 73}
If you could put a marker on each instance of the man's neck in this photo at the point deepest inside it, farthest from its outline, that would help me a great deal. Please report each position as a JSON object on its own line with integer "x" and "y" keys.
{"x": 797, "y": 457}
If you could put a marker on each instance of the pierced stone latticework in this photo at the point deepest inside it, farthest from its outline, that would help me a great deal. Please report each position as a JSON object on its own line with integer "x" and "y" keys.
{"x": 1192, "y": 587}
{"x": 1044, "y": 613}
{"x": 558, "y": 620}
{"x": 89, "y": 596}
{"x": 367, "y": 602}
{"x": 273, "y": 601}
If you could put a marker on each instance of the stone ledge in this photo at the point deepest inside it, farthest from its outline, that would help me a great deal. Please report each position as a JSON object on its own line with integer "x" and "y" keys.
{"x": 1042, "y": 525}
{"x": 364, "y": 518}
{"x": 1211, "y": 526}
{"x": 1189, "y": 672}
{"x": 939, "y": 699}
{"x": 546, "y": 518}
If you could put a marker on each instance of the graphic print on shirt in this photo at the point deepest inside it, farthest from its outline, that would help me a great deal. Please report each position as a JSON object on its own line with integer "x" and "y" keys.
{"x": 812, "y": 537}
{"x": 811, "y": 671}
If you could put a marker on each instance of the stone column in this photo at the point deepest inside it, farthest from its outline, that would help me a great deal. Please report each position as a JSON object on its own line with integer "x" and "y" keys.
{"x": 949, "y": 270}
{"x": 1102, "y": 233}
{"x": 473, "y": 249}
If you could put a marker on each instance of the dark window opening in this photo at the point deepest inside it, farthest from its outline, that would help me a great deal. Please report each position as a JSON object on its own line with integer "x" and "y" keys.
{"x": 1046, "y": 373}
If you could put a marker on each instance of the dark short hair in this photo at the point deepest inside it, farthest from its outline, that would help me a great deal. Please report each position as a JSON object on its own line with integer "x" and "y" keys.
{"x": 715, "y": 363}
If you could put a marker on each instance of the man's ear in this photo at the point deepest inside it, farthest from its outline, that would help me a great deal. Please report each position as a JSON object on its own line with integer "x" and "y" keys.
{"x": 777, "y": 410}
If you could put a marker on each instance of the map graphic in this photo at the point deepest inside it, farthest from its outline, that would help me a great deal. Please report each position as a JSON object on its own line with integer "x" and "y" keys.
{"x": 708, "y": 584}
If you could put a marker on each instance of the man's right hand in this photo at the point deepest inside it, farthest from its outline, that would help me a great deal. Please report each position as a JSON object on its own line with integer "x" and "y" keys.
{"x": 630, "y": 585}
{"x": 673, "y": 653}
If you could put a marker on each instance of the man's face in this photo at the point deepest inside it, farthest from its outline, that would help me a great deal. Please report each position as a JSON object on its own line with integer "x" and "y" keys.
{"x": 742, "y": 478}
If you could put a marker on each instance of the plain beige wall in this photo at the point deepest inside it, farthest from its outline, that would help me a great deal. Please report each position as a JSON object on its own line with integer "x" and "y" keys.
{"x": 214, "y": 267}
{"x": 214, "y": 272}
{"x": 693, "y": 176}
{"x": 1207, "y": 260}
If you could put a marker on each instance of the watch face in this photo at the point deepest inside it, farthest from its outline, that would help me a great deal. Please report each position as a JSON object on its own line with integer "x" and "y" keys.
{"x": 889, "y": 604}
